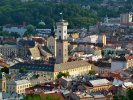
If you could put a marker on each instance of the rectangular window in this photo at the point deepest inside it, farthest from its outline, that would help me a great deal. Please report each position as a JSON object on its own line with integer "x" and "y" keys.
{"x": 59, "y": 31}
{"x": 59, "y": 37}
{"x": 59, "y": 52}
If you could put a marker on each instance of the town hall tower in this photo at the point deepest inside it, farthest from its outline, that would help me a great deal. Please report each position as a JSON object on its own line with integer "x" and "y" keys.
{"x": 62, "y": 43}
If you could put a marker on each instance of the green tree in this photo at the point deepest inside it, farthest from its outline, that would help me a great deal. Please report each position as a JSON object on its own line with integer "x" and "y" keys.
{"x": 110, "y": 52}
{"x": 49, "y": 97}
{"x": 92, "y": 72}
{"x": 15, "y": 34}
{"x": 67, "y": 74}
{"x": 16, "y": 12}
{"x": 103, "y": 53}
{"x": 63, "y": 74}
{"x": 23, "y": 70}
{"x": 120, "y": 97}
{"x": 5, "y": 69}
{"x": 30, "y": 30}
{"x": 37, "y": 97}
{"x": 32, "y": 97}
{"x": 117, "y": 34}
{"x": 130, "y": 94}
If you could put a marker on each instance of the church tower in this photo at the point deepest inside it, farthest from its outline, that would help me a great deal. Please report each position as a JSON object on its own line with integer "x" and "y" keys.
{"x": 62, "y": 43}
{"x": 2, "y": 82}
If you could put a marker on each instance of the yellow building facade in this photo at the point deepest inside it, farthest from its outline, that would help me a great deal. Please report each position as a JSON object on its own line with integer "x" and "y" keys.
{"x": 2, "y": 82}
{"x": 75, "y": 68}
{"x": 17, "y": 86}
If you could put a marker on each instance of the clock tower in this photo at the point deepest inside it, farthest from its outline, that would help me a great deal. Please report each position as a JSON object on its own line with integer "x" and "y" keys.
{"x": 62, "y": 43}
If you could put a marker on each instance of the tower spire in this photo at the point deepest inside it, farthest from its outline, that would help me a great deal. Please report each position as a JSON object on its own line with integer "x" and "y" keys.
{"x": 61, "y": 16}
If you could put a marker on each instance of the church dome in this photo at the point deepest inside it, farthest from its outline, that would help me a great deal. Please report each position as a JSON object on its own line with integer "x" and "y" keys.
{"x": 41, "y": 23}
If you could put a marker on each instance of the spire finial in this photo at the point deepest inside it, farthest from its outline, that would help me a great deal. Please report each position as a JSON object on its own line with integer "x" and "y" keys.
{"x": 61, "y": 15}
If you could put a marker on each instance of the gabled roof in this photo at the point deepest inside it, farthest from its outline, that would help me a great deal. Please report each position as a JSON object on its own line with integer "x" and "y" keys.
{"x": 27, "y": 42}
{"x": 70, "y": 65}
{"x": 129, "y": 57}
{"x": 36, "y": 67}
{"x": 45, "y": 48}
{"x": 102, "y": 64}
{"x": 99, "y": 82}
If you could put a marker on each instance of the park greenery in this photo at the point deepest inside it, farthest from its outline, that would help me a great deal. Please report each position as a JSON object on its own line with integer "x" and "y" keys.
{"x": 23, "y": 70}
{"x": 5, "y": 69}
{"x": 129, "y": 95}
{"x": 38, "y": 97}
{"x": 7, "y": 34}
{"x": 92, "y": 72}
{"x": 17, "y": 12}
{"x": 61, "y": 74}
{"x": 30, "y": 30}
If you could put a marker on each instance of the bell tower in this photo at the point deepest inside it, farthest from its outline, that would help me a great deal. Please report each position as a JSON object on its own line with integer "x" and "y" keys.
{"x": 62, "y": 43}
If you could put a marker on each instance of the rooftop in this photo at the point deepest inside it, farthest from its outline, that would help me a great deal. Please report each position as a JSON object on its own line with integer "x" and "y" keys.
{"x": 18, "y": 82}
{"x": 70, "y": 65}
{"x": 126, "y": 58}
{"x": 99, "y": 96}
{"x": 102, "y": 64}
{"x": 50, "y": 67}
{"x": 99, "y": 82}
{"x": 10, "y": 96}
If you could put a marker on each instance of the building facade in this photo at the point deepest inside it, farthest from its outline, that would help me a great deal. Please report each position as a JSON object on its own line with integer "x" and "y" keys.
{"x": 51, "y": 43}
{"x": 50, "y": 72}
{"x": 17, "y": 86}
{"x": 101, "y": 67}
{"x": 2, "y": 82}
{"x": 95, "y": 39}
{"x": 100, "y": 85}
{"x": 122, "y": 63}
{"x": 8, "y": 50}
{"x": 23, "y": 47}
{"x": 125, "y": 18}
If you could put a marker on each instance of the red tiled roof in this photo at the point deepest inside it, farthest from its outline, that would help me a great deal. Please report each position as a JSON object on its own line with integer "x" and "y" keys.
{"x": 4, "y": 64}
{"x": 129, "y": 57}
{"x": 39, "y": 40}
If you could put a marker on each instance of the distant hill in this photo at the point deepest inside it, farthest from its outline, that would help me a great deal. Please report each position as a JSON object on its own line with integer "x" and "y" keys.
{"x": 79, "y": 13}
{"x": 33, "y": 11}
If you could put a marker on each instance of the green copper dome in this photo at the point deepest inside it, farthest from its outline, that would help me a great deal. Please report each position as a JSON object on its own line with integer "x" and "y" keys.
{"x": 42, "y": 23}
